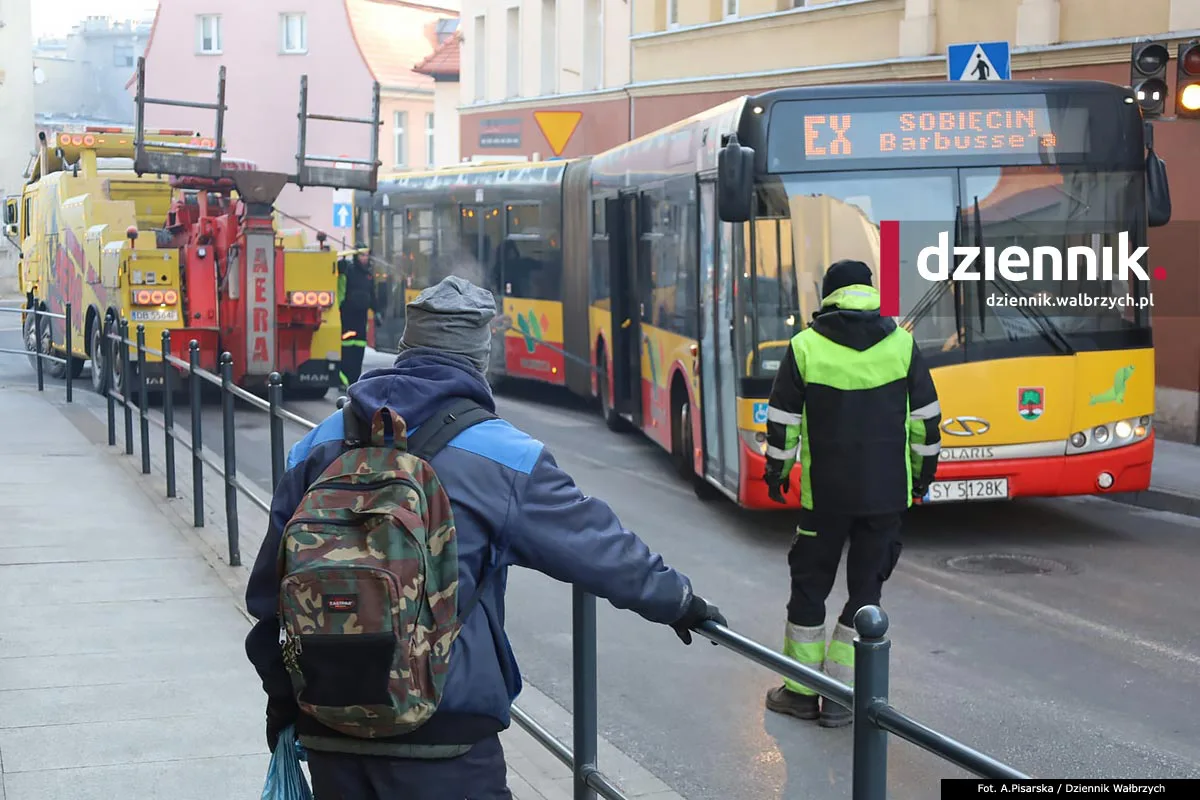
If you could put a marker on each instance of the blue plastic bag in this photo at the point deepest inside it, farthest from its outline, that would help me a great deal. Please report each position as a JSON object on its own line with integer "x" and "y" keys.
{"x": 285, "y": 779}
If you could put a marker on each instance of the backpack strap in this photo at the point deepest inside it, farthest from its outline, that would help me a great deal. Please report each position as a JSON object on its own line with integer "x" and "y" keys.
{"x": 431, "y": 438}
{"x": 444, "y": 424}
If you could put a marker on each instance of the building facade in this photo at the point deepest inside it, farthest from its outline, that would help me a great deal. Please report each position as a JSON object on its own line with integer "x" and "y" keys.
{"x": 83, "y": 76}
{"x": 689, "y": 55}
{"x": 442, "y": 128}
{"x": 265, "y": 46}
{"x": 543, "y": 78}
{"x": 16, "y": 115}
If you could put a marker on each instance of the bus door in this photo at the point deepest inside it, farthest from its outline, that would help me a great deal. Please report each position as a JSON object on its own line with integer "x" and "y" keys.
{"x": 626, "y": 308}
{"x": 718, "y": 376}
{"x": 482, "y": 232}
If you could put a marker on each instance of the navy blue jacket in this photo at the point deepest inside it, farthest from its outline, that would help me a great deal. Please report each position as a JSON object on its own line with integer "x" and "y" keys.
{"x": 512, "y": 506}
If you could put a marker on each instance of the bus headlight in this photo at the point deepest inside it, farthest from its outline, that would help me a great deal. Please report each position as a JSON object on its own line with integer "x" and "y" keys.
{"x": 1078, "y": 439}
{"x": 1123, "y": 429}
{"x": 755, "y": 440}
{"x": 1100, "y": 434}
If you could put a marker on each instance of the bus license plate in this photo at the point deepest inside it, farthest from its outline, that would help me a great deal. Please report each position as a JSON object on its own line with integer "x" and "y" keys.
{"x": 154, "y": 316}
{"x": 960, "y": 491}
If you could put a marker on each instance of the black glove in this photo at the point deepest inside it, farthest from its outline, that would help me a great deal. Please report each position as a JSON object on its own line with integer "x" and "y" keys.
{"x": 280, "y": 714}
{"x": 698, "y": 610}
{"x": 777, "y": 487}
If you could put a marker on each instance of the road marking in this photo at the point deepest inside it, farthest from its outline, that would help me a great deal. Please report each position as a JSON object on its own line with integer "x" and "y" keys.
{"x": 989, "y": 597}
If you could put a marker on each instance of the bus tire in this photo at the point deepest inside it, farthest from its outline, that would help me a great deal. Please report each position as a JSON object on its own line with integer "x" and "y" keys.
{"x": 612, "y": 419}
{"x": 684, "y": 437}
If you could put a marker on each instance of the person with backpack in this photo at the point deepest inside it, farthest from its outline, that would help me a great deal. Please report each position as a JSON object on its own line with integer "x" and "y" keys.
{"x": 379, "y": 588}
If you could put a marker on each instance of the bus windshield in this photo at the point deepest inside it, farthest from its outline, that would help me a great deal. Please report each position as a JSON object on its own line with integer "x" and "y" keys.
{"x": 805, "y": 222}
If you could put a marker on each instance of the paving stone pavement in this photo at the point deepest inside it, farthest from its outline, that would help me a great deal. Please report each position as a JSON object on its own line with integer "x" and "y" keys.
{"x": 122, "y": 669}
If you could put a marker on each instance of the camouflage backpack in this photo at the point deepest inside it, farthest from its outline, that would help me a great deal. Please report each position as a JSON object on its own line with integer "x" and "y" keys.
{"x": 368, "y": 602}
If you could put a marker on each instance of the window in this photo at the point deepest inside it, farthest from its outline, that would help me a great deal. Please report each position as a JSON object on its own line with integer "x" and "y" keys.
{"x": 550, "y": 46}
{"x": 400, "y": 149}
{"x": 123, "y": 55}
{"x": 479, "y": 49}
{"x": 208, "y": 34}
{"x": 513, "y": 48}
{"x": 429, "y": 140}
{"x": 731, "y": 8}
{"x": 593, "y": 45}
{"x": 446, "y": 29}
{"x": 293, "y": 33}
{"x": 672, "y": 13}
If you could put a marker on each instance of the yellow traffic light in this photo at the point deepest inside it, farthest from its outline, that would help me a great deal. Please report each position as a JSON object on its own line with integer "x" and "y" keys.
{"x": 1189, "y": 98}
{"x": 1187, "y": 81}
{"x": 1148, "y": 76}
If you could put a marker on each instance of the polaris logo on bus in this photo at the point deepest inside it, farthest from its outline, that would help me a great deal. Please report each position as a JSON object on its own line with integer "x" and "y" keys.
{"x": 966, "y": 454}
{"x": 1016, "y": 262}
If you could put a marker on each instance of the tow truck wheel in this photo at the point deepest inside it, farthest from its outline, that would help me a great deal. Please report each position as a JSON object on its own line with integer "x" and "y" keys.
{"x": 101, "y": 347}
{"x": 52, "y": 369}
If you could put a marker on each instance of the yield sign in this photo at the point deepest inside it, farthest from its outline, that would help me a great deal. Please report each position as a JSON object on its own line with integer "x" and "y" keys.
{"x": 557, "y": 127}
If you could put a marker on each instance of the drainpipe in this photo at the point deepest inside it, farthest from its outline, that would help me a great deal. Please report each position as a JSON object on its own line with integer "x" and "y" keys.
{"x": 629, "y": 79}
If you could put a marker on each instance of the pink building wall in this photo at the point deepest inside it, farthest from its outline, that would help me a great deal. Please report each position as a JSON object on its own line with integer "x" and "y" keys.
{"x": 262, "y": 88}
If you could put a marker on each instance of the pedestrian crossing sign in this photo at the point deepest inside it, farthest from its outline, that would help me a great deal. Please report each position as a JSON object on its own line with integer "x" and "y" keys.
{"x": 979, "y": 61}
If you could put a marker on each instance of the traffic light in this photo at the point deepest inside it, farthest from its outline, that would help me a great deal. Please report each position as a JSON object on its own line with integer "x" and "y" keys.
{"x": 1148, "y": 76}
{"x": 1187, "y": 81}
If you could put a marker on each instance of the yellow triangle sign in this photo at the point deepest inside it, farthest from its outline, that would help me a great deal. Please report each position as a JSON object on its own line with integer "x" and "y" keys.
{"x": 557, "y": 127}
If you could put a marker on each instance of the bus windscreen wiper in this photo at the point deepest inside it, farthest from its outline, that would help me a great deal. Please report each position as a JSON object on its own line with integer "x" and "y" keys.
{"x": 1048, "y": 329}
{"x": 930, "y": 299}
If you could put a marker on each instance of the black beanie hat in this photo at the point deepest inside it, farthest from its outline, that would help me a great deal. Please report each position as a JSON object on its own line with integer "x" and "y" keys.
{"x": 845, "y": 273}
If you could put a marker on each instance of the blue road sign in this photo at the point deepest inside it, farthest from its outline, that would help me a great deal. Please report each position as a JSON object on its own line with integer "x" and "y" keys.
{"x": 979, "y": 61}
{"x": 341, "y": 215}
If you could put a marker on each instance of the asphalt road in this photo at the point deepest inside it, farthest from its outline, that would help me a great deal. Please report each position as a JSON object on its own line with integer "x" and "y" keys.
{"x": 1088, "y": 666}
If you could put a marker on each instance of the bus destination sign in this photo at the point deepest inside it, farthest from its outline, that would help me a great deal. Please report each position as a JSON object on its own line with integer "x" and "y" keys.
{"x": 952, "y": 127}
{"x": 873, "y": 134}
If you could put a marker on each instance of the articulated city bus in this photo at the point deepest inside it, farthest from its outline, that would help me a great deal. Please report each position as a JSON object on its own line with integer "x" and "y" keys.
{"x": 666, "y": 286}
{"x": 500, "y": 226}
{"x": 692, "y": 308}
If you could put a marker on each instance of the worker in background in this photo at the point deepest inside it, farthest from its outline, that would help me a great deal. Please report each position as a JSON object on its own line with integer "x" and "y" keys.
{"x": 356, "y": 298}
{"x": 855, "y": 401}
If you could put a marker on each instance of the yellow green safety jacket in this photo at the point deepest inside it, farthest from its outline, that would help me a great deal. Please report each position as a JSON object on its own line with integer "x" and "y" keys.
{"x": 855, "y": 403}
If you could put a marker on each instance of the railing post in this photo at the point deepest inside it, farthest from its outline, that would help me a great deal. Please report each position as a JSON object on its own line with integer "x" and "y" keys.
{"x": 197, "y": 445}
{"x": 143, "y": 400}
{"x": 871, "y": 648}
{"x": 37, "y": 349}
{"x": 168, "y": 414}
{"x": 231, "y": 517}
{"x": 105, "y": 363}
{"x": 275, "y": 398}
{"x": 583, "y": 646}
{"x": 125, "y": 383}
{"x": 70, "y": 358}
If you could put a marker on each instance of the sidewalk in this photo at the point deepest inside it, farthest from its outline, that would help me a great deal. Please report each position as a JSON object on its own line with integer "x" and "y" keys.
{"x": 122, "y": 668}
{"x": 1174, "y": 480}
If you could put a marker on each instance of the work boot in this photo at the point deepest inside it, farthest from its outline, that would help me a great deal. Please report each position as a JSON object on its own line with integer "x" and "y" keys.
{"x": 839, "y": 665}
{"x": 806, "y": 646}
{"x": 783, "y": 700}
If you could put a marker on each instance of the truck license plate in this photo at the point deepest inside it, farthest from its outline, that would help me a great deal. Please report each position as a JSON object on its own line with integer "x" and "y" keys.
{"x": 960, "y": 491}
{"x": 169, "y": 315}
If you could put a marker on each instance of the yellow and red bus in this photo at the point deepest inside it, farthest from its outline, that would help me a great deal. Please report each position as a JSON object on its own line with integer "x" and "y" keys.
{"x": 674, "y": 284}
{"x": 710, "y": 271}
{"x": 498, "y": 225}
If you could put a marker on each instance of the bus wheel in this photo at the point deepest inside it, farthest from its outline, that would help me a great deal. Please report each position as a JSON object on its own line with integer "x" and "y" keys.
{"x": 701, "y": 487}
{"x": 612, "y": 419}
{"x": 101, "y": 348}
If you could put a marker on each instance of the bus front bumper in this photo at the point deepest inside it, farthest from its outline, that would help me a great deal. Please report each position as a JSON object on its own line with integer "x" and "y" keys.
{"x": 1055, "y": 476}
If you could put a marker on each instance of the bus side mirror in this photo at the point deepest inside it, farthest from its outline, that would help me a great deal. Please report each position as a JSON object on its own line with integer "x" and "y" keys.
{"x": 735, "y": 182}
{"x": 1158, "y": 191}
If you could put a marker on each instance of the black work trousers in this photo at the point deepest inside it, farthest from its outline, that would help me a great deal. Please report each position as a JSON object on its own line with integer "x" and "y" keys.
{"x": 817, "y": 551}
{"x": 481, "y": 774}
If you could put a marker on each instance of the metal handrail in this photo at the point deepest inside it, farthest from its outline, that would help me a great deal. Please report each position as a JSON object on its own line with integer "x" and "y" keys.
{"x": 874, "y": 718}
